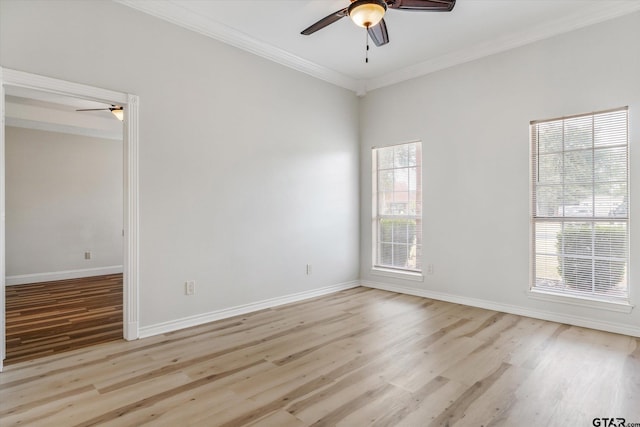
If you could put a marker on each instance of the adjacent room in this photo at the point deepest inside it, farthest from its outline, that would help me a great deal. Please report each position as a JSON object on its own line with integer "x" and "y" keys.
{"x": 320, "y": 212}
{"x": 63, "y": 248}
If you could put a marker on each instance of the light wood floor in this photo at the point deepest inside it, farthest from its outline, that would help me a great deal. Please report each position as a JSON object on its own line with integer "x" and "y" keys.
{"x": 354, "y": 358}
{"x": 52, "y": 317}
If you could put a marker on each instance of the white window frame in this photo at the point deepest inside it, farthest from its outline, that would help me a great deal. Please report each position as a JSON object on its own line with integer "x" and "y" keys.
{"x": 386, "y": 270}
{"x": 592, "y": 300}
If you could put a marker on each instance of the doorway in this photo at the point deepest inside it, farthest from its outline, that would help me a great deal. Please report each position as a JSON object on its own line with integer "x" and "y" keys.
{"x": 12, "y": 79}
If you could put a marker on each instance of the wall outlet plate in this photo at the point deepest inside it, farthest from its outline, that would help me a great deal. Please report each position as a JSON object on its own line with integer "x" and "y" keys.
{"x": 190, "y": 287}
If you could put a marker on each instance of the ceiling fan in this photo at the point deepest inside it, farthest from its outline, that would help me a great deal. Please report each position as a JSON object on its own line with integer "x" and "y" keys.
{"x": 117, "y": 110}
{"x": 369, "y": 14}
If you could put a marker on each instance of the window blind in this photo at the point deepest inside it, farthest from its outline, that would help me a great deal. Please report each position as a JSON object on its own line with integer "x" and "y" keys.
{"x": 397, "y": 182}
{"x": 580, "y": 204}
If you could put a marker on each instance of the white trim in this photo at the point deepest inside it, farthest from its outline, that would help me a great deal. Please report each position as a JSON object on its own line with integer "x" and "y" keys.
{"x": 131, "y": 219}
{"x": 398, "y": 274}
{"x": 199, "y": 319}
{"x": 584, "y": 322}
{"x": 131, "y": 198}
{"x": 530, "y": 35}
{"x": 618, "y": 306}
{"x": 172, "y": 11}
{"x": 21, "y": 279}
{"x": 59, "y": 128}
{"x": 177, "y": 14}
{"x": 62, "y": 87}
{"x": 2, "y": 223}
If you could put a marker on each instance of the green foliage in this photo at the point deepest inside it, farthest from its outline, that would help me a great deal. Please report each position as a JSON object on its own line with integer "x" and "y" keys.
{"x": 599, "y": 241}
{"x": 397, "y": 230}
{"x": 400, "y": 233}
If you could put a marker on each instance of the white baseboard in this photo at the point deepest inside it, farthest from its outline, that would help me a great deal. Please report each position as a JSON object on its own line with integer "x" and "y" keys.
{"x": 131, "y": 331}
{"x": 585, "y": 322}
{"x": 62, "y": 275}
{"x": 199, "y": 319}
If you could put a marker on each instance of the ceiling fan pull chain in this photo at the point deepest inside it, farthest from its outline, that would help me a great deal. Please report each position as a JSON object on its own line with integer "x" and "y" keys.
{"x": 366, "y": 59}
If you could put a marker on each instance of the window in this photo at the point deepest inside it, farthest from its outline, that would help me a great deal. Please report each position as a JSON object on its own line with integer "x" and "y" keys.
{"x": 397, "y": 207}
{"x": 580, "y": 201}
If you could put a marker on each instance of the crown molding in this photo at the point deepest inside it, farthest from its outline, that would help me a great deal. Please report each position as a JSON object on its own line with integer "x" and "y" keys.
{"x": 173, "y": 12}
{"x": 560, "y": 26}
{"x": 61, "y": 128}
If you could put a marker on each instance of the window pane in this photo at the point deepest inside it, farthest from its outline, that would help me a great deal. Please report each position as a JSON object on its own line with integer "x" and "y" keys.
{"x": 401, "y": 179}
{"x": 402, "y": 230}
{"x": 385, "y": 158}
{"x": 610, "y": 240}
{"x": 610, "y": 277}
{"x": 610, "y": 164}
{"x": 550, "y": 168}
{"x": 576, "y": 239}
{"x": 578, "y": 166}
{"x": 610, "y": 128}
{"x": 609, "y": 199}
{"x": 399, "y": 238}
{"x": 412, "y": 151}
{"x": 385, "y": 254}
{"x": 412, "y": 179}
{"x": 385, "y": 180}
{"x": 585, "y": 177}
{"x": 400, "y": 255}
{"x": 577, "y": 273}
{"x": 548, "y": 200}
{"x": 546, "y": 237}
{"x": 550, "y": 137}
{"x": 578, "y": 200}
{"x": 401, "y": 156}
{"x": 385, "y": 231}
{"x": 578, "y": 133}
{"x": 547, "y": 270}
{"x": 415, "y": 258}
{"x": 385, "y": 203}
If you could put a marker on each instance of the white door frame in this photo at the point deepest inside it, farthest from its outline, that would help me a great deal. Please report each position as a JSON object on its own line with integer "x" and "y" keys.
{"x": 9, "y": 77}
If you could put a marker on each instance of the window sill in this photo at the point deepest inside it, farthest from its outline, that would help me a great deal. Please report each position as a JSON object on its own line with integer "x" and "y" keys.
{"x": 617, "y": 306}
{"x": 406, "y": 275}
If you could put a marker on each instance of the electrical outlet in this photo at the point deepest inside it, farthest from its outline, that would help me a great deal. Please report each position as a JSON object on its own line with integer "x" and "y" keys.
{"x": 189, "y": 287}
{"x": 87, "y": 255}
{"x": 430, "y": 269}
{"x": 308, "y": 269}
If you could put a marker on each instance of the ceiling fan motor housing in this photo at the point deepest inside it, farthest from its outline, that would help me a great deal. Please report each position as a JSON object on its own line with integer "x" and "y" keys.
{"x": 367, "y": 13}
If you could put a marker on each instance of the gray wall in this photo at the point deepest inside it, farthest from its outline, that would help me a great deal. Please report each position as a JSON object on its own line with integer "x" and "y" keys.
{"x": 63, "y": 197}
{"x": 248, "y": 169}
{"x": 473, "y": 120}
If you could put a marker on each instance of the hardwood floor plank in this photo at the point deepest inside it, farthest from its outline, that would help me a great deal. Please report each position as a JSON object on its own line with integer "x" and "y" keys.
{"x": 456, "y": 411}
{"x": 408, "y": 407}
{"x": 353, "y": 358}
{"x": 278, "y": 419}
{"x": 52, "y": 317}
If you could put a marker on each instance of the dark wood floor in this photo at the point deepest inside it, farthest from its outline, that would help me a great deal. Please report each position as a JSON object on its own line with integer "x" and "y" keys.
{"x": 52, "y": 317}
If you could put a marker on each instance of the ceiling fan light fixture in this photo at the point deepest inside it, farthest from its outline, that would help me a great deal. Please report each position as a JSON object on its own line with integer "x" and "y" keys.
{"x": 118, "y": 112}
{"x": 367, "y": 13}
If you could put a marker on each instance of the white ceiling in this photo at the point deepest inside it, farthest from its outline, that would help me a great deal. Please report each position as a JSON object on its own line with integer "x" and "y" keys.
{"x": 28, "y": 96}
{"x": 420, "y": 42}
{"x": 34, "y": 109}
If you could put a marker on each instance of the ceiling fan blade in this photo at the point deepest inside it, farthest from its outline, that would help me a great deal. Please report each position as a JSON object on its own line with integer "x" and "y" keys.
{"x": 94, "y": 109}
{"x": 379, "y": 34}
{"x": 423, "y": 5}
{"x": 327, "y": 20}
